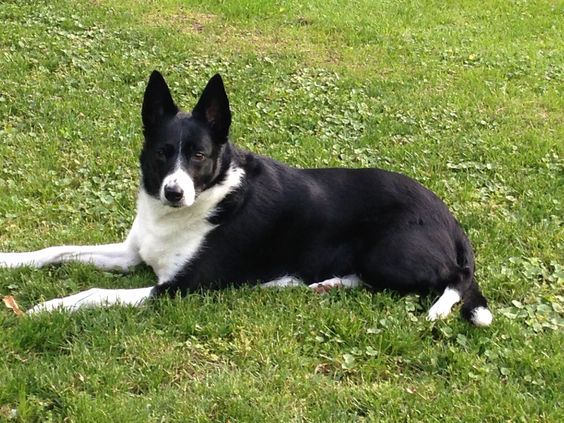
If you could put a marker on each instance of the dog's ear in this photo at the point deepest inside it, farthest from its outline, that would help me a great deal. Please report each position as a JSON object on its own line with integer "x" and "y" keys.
{"x": 157, "y": 102}
{"x": 213, "y": 109}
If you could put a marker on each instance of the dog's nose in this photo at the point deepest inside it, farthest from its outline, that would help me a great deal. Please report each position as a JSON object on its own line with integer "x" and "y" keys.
{"x": 173, "y": 193}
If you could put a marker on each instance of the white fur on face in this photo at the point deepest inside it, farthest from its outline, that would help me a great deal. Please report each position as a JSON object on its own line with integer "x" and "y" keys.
{"x": 180, "y": 178}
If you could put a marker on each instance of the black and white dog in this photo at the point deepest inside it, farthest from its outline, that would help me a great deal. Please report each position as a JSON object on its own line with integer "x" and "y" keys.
{"x": 210, "y": 215}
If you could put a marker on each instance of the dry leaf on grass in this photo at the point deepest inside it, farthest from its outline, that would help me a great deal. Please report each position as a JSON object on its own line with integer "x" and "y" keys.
{"x": 11, "y": 303}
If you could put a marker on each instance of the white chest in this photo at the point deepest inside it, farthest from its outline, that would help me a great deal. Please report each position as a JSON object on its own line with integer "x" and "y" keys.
{"x": 167, "y": 239}
{"x": 168, "y": 245}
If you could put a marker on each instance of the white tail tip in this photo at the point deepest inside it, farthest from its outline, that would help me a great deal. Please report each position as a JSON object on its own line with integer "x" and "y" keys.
{"x": 482, "y": 316}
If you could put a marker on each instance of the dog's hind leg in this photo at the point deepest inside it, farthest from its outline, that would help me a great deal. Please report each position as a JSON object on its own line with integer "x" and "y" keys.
{"x": 121, "y": 256}
{"x": 95, "y": 297}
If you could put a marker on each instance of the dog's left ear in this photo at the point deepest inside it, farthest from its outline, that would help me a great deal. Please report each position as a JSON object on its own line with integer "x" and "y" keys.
{"x": 213, "y": 109}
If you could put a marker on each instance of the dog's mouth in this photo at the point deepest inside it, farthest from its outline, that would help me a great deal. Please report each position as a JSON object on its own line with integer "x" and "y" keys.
{"x": 176, "y": 205}
{"x": 181, "y": 203}
{"x": 173, "y": 205}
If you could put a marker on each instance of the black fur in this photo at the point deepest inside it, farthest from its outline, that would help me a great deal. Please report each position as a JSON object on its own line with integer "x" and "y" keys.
{"x": 310, "y": 223}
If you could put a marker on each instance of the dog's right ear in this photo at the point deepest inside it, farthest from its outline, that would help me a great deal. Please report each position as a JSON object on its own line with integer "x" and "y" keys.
{"x": 157, "y": 103}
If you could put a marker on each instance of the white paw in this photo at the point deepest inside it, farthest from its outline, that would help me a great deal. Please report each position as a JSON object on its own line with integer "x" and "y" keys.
{"x": 443, "y": 306}
{"x": 95, "y": 297}
{"x": 6, "y": 260}
{"x": 70, "y": 303}
{"x": 437, "y": 312}
{"x": 49, "y": 306}
{"x": 327, "y": 285}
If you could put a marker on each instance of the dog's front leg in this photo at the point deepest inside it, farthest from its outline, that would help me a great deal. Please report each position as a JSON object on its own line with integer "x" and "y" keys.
{"x": 121, "y": 256}
{"x": 95, "y": 297}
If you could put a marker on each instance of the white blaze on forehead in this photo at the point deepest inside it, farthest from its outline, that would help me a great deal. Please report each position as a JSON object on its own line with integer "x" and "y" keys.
{"x": 181, "y": 179}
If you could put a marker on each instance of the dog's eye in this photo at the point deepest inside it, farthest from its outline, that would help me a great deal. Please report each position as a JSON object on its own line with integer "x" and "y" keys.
{"x": 199, "y": 156}
{"x": 161, "y": 154}
{"x": 164, "y": 153}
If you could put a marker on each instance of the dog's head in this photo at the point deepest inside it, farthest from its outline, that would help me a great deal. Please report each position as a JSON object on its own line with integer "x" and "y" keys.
{"x": 181, "y": 156}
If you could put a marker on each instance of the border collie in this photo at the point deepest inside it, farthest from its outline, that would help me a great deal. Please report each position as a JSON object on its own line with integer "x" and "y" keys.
{"x": 210, "y": 215}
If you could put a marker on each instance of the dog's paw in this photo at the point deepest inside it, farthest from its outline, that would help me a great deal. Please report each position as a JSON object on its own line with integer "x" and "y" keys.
{"x": 13, "y": 260}
{"x": 70, "y": 303}
{"x": 51, "y": 305}
{"x": 443, "y": 306}
{"x": 6, "y": 260}
{"x": 436, "y": 313}
{"x": 326, "y": 286}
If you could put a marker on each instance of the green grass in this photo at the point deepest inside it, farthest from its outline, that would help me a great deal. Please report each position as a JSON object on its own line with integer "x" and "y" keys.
{"x": 464, "y": 96}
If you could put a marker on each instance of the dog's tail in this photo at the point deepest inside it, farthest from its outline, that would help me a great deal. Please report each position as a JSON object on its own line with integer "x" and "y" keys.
{"x": 462, "y": 286}
{"x": 474, "y": 304}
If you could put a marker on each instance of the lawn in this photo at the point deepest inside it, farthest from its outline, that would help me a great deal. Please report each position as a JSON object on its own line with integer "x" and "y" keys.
{"x": 464, "y": 96}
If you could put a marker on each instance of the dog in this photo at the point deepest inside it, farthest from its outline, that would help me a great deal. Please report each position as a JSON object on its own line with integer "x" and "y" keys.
{"x": 211, "y": 215}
